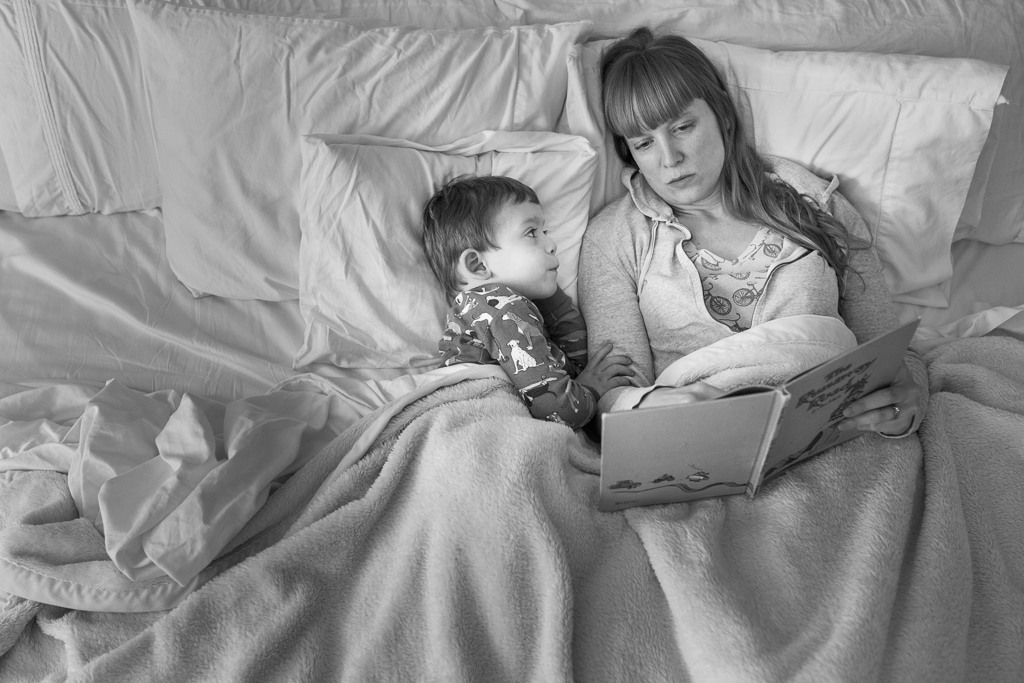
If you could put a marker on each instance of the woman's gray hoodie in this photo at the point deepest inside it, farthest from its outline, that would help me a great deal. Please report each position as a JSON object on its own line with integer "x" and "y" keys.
{"x": 639, "y": 291}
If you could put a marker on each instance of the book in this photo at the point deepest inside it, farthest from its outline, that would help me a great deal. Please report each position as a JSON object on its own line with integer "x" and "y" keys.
{"x": 736, "y": 442}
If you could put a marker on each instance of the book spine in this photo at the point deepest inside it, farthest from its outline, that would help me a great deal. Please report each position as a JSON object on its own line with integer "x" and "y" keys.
{"x": 782, "y": 397}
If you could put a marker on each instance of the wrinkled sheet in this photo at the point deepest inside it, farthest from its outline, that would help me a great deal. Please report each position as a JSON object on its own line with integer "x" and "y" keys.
{"x": 88, "y": 298}
{"x": 167, "y": 479}
{"x": 986, "y": 293}
{"x": 155, "y": 486}
{"x": 465, "y": 545}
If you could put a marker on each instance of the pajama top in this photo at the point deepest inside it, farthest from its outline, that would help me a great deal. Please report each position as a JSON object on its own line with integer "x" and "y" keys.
{"x": 540, "y": 353}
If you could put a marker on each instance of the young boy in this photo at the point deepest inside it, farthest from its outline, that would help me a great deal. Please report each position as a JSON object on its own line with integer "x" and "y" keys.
{"x": 486, "y": 243}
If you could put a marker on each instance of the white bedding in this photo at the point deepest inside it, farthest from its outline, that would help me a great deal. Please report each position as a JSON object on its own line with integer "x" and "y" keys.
{"x": 465, "y": 545}
{"x": 989, "y": 30}
{"x": 90, "y": 298}
{"x": 162, "y": 482}
{"x": 986, "y": 295}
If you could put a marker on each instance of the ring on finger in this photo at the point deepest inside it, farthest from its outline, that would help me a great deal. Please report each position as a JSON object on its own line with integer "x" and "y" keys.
{"x": 895, "y": 411}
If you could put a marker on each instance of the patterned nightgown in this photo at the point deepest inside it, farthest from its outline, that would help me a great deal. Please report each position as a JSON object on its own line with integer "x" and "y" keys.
{"x": 731, "y": 288}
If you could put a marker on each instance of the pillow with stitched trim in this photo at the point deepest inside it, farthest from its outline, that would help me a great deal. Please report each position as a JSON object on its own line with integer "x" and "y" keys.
{"x": 74, "y": 121}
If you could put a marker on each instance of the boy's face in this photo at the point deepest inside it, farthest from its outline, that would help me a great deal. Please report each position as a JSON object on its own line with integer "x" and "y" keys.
{"x": 524, "y": 258}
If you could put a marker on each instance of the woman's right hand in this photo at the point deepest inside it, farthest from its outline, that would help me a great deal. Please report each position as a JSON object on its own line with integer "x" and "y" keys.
{"x": 604, "y": 372}
{"x": 671, "y": 396}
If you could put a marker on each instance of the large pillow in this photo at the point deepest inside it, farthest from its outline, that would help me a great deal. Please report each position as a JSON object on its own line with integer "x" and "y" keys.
{"x": 442, "y": 14}
{"x": 73, "y": 124}
{"x": 903, "y": 134}
{"x": 989, "y": 30}
{"x": 367, "y": 293}
{"x": 227, "y": 130}
{"x": 73, "y": 116}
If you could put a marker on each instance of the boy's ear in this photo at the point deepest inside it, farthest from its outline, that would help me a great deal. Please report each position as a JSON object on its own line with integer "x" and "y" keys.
{"x": 471, "y": 264}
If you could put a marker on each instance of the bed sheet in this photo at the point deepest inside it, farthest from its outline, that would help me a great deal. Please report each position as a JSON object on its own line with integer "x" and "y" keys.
{"x": 90, "y": 298}
{"x": 986, "y": 296}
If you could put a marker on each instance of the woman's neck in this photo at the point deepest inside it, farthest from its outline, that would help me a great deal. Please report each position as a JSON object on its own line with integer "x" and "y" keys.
{"x": 709, "y": 210}
{"x": 713, "y": 227}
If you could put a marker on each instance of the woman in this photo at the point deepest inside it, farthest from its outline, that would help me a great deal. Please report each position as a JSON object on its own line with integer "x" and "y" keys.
{"x": 712, "y": 238}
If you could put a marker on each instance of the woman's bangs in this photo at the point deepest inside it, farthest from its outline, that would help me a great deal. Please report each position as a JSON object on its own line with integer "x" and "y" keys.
{"x": 645, "y": 98}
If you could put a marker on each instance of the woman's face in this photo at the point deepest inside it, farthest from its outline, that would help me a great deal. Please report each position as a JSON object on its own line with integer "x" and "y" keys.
{"x": 682, "y": 159}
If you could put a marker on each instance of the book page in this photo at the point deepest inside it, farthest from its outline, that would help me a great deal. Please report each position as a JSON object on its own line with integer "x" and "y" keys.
{"x": 818, "y": 396}
{"x": 684, "y": 452}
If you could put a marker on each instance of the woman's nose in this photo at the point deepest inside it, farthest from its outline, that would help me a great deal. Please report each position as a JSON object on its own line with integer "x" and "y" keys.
{"x": 670, "y": 153}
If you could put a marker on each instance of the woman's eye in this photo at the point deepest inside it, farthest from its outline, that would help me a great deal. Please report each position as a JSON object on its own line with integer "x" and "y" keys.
{"x": 683, "y": 127}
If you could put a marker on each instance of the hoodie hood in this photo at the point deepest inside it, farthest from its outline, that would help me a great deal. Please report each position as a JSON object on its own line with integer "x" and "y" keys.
{"x": 648, "y": 202}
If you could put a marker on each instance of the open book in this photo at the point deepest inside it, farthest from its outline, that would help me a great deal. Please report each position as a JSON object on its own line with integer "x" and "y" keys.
{"x": 734, "y": 443}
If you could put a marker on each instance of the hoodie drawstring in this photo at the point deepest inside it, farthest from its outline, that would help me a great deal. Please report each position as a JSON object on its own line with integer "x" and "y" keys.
{"x": 654, "y": 240}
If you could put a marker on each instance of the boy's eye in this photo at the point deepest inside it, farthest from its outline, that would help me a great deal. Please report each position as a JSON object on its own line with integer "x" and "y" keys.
{"x": 641, "y": 145}
{"x": 532, "y": 232}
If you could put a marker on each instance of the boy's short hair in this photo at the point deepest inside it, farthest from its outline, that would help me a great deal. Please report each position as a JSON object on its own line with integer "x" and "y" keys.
{"x": 460, "y": 216}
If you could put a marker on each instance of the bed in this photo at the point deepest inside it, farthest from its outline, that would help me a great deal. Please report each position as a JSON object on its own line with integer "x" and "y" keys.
{"x": 227, "y": 451}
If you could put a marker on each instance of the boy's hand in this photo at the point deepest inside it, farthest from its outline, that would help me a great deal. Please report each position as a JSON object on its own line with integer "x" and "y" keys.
{"x": 604, "y": 372}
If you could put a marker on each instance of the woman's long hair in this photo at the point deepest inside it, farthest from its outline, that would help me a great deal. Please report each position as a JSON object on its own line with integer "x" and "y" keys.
{"x": 648, "y": 80}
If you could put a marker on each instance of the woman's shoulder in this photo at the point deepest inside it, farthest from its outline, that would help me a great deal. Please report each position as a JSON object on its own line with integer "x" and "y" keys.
{"x": 825, "y": 192}
{"x": 612, "y": 221}
{"x": 803, "y": 180}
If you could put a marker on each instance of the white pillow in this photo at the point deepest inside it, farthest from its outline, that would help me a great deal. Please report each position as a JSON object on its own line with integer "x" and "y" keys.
{"x": 227, "y": 130}
{"x": 903, "y": 134}
{"x": 989, "y": 30}
{"x": 74, "y": 122}
{"x": 456, "y": 14}
{"x": 367, "y": 293}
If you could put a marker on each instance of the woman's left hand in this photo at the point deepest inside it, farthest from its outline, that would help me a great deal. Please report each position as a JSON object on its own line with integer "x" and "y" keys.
{"x": 891, "y": 410}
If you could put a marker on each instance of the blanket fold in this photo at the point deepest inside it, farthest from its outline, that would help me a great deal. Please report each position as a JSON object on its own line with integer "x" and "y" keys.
{"x": 769, "y": 353}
